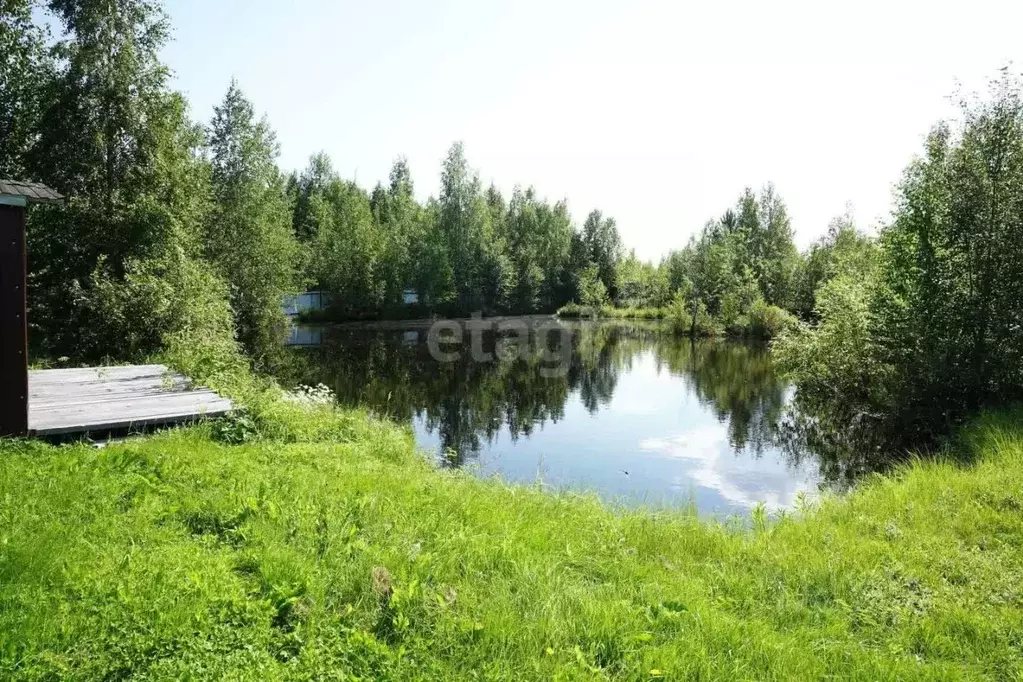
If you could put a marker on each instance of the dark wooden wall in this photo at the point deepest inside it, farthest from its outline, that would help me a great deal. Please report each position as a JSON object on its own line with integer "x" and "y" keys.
{"x": 13, "y": 325}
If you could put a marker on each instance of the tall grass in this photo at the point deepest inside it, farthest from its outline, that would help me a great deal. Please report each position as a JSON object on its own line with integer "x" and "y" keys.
{"x": 762, "y": 321}
{"x": 178, "y": 557}
{"x": 575, "y": 311}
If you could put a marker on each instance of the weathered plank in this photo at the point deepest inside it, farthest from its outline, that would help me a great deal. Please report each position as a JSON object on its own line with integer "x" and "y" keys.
{"x": 97, "y": 399}
{"x": 40, "y": 394}
{"x": 124, "y": 401}
{"x": 89, "y": 374}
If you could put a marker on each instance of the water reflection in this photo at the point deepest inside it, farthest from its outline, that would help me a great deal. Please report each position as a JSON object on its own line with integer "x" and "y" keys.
{"x": 638, "y": 416}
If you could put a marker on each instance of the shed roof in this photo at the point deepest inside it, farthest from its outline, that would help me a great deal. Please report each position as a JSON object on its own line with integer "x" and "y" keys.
{"x": 33, "y": 192}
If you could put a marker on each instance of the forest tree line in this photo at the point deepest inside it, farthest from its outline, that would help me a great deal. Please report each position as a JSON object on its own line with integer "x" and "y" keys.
{"x": 172, "y": 225}
{"x": 186, "y": 234}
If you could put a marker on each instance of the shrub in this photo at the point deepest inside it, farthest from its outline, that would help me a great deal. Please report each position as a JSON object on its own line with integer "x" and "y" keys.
{"x": 688, "y": 317}
{"x": 168, "y": 302}
{"x": 574, "y": 311}
{"x": 765, "y": 321}
{"x": 836, "y": 365}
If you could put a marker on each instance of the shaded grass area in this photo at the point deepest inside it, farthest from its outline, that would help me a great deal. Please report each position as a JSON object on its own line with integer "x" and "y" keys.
{"x": 180, "y": 557}
{"x": 608, "y": 312}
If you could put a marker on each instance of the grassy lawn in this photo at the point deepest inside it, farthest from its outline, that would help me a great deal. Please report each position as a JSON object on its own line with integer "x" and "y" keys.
{"x": 177, "y": 557}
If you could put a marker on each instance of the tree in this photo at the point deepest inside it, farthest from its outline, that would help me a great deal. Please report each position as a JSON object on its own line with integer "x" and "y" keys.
{"x": 100, "y": 128}
{"x": 843, "y": 249}
{"x": 400, "y": 219}
{"x": 312, "y": 181}
{"x": 435, "y": 275}
{"x": 776, "y": 258}
{"x": 605, "y": 249}
{"x": 119, "y": 143}
{"x": 477, "y": 266}
{"x": 459, "y": 221}
{"x": 931, "y": 332}
{"x": 591, "y": 289}
{"x": 26, "y": 71}
{"x": 502, "y": 275}
{"x": 761, "y": 240}
{"x": 951, "y": 295}
{"x": 249, "y": 234}
{"x": 348, "y": 248}
{"x": 712, "y": 264}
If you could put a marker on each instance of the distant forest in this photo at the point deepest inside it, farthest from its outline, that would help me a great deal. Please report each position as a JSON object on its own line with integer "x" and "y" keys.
{"x": 174, "y": 224}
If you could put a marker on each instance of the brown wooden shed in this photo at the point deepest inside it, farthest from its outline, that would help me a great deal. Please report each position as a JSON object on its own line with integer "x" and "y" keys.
{"x": 15, "y": 198}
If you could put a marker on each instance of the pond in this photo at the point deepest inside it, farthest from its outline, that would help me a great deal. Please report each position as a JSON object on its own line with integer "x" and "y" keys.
{"x": 622, "y": 409}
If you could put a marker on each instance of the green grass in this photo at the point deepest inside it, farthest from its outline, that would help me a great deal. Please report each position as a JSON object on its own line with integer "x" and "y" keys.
{"x": 761, "y": 322}
{"x": 179, "y": 557}
{"x": 607, "y": 312}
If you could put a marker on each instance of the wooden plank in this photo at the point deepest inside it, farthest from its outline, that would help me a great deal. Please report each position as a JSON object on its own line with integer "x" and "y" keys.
{"x": 72, "y": 402}
{"x": 46, "y": 393}
{"x": 106, "y": 369}
{"x": 53, "y": 428}
{"x": 98, "y": 387}
{"x": 13, "y": 323}
{"x": 84, "y": 382}
{"x": 129, "y": 406}
{"x": 125, "y": 401}
{"x": 87, "y": 374}
{"x": 94, "y": 399}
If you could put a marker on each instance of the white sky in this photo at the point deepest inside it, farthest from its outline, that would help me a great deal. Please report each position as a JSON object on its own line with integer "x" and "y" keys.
{"x": 659, "y": 113}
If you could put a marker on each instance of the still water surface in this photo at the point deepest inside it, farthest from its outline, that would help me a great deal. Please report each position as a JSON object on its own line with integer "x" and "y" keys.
{"x": 630, "y": 412}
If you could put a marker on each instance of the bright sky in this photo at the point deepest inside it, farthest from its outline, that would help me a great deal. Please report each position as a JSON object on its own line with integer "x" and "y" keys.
{"x": 659, "y": 113}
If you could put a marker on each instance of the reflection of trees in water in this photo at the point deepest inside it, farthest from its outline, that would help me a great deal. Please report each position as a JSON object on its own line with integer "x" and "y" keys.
{"x": 843, "y": 452}
{"x": 737, "y": 381}
{"x": 599, "y": 354}
{"x": 467, "y": 402}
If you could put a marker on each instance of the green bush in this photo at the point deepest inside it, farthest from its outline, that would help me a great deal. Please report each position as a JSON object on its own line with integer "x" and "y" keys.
{"x": 686, "y": 318}
{"x": 574, "y": 311}
{"x": 171, "y": 301}
{"x": 835, "y": 365}
{"x": 765, "y": 321}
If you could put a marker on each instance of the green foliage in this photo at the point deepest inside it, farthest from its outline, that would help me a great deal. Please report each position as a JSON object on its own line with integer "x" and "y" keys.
{"x": 138, "y": 256}
{"x": 604, "y": 249}
{"x": 574, "y": 311}
{"x": 609, "y": 312}
{"x": 115, "y": 140}
{"x": 348, "y": 246}
{"x": 909, "y": 346}
{"x": 401, "y": 221}
{"x": 642, "y": 284}
{"x": 539, "y": 242}
{"x": 836, "y": 358}
{"x": 159, "y": 303}
{"x": 466, "y": 229}
{"x": 249, "y": 237}
{"x": 766, "y": 321}
{"x": 592, "y": 292}
{"x": 746, "y": 255}
{"x": 689, "y": 316}
{"x": 25, "y": 71}
{"x": 108, "y": 109}
{"x": 463, "y": 252}
{"x": 843, "y": 250}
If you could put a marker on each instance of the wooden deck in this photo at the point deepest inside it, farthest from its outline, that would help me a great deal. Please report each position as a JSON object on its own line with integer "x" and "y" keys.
{"x": 98, "y": 399}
